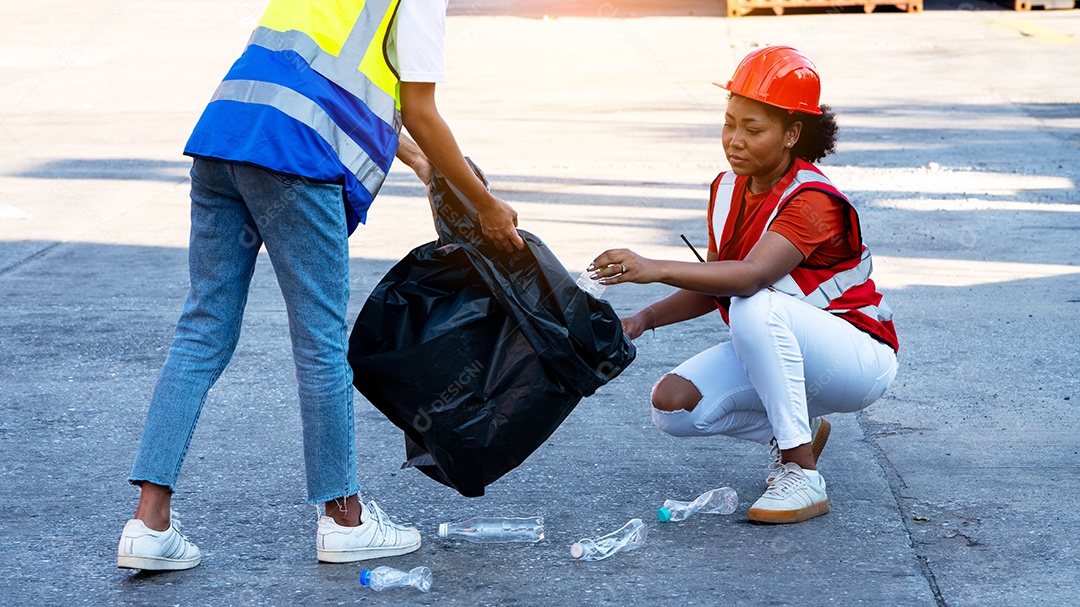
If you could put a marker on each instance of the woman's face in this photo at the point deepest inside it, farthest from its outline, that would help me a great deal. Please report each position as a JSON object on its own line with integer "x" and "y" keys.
{"x": 755, "y": 141}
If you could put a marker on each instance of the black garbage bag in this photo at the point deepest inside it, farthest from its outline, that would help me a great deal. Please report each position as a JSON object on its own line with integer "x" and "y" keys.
{"x": 476, "y": 354}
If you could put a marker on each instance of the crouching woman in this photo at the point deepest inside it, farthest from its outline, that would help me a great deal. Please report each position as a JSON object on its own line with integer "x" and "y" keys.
{"x": 788, "y": 270}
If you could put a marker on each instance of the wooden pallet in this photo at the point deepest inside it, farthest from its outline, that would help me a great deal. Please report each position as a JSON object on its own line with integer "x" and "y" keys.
{"x": 1027, "y": 5}
{"x": 738, "y": 8}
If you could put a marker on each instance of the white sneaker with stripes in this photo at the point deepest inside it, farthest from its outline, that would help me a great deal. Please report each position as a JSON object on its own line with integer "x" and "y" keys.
{"x": 143, "y": 548}
{"x": 376, "y": 537}
{"x": 791, "y": 497}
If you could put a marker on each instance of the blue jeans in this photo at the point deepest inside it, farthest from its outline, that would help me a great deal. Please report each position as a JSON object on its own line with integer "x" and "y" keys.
{"x": 235, "y": 209}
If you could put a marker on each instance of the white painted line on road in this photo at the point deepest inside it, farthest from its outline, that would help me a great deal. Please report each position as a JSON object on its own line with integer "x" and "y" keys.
{"x": 605, "y": 214}
{"x": 942, "y": 180}
{"x": 658, "y": 191}
{"x": 973, "y": 204}
{"x": 9, "y": 212}
{"x": 903, "y": 272}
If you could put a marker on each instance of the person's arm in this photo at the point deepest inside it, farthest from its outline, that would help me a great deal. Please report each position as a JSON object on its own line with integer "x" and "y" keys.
{"x": 421, "y": 117}
{"x": 680, "y": 306}
{"x": 772, "y": 258}
{"x": 413, "y": 157}
{"x": 675, "y": 308}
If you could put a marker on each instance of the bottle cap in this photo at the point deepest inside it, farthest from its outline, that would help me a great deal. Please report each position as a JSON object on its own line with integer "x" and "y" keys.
{"x": 577, "y": 551}
{"x": 663, "y": 514}
{"x": 444, "y": 529}
{"x": 365, "y": 577}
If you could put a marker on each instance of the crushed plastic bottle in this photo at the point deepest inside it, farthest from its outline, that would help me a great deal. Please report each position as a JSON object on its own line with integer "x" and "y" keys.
{"x": 717, "y": 501}
{"x": 495, "y": 530}
{"x": 590, "y": 286}
{"x": 381, "y": 578}
{"x": 628, "y": 537}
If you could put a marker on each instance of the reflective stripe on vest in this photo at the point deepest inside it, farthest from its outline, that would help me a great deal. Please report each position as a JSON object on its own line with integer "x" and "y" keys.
{"x": 725, "y": 191}
{"x": 307, "y": 112}
{"x": 334, "y": 69}
{"x": 844, "y": 288}
{"x": 833, "y": 288}
{"x": 343, "y": 42}
{"x": 351, "y": 56}
{"x": 881, "y": 312}
{"x": 836, "y": 286}
{"x": 801, "y": 178}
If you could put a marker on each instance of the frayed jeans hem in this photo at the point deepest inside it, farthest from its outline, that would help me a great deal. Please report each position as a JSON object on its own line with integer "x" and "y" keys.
{"x": 355, "y": 488}
{"x": 138, "y": 481}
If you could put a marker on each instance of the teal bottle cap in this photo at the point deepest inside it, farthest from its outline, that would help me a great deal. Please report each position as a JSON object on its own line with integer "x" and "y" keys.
{"x": 663, "y": 514}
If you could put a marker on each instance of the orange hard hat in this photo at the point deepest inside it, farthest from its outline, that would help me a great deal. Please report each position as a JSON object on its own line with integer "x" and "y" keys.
{"x": 779, "y": 76}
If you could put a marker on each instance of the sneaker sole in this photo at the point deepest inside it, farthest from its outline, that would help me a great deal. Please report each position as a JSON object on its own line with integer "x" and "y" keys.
{"x": 781, "y": 517}
{"x": 155, "y": 563}
{"x": 821, "y": 438}
{"x": 352, "y": 556}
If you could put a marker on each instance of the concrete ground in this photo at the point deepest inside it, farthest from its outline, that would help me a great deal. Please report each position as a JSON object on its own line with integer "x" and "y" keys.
{"x": 960, "y": 135}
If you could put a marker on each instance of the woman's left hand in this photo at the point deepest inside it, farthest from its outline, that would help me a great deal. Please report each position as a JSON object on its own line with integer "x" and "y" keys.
{"x": 616, "y": 266}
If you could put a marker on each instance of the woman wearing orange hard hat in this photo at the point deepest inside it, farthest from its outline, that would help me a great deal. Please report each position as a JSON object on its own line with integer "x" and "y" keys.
{"x": 788, "y": 270}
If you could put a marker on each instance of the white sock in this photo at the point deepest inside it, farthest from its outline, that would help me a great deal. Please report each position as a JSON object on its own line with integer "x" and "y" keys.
{"x": 813, "y": 476}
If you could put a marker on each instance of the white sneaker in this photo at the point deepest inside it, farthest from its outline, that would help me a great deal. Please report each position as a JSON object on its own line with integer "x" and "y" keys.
{"x": 376, "y": 537}
{"x": 143, "y": 548}
{"x": 791, "y": 498}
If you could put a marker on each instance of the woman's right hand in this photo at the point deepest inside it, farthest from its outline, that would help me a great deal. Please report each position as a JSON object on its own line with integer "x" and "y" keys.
{"x": 635, "y": 325}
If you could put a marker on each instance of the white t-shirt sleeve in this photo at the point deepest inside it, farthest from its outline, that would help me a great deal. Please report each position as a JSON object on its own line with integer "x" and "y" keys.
{"x": 416, "y": 45}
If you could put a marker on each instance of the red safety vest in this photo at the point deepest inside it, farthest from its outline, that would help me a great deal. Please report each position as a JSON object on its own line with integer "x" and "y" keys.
{"x": 844, "y": 289}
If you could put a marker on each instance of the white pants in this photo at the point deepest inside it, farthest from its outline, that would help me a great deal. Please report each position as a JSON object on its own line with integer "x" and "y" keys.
{"x": 787, "y": 362}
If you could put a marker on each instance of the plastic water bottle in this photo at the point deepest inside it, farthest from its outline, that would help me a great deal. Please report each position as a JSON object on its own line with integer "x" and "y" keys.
{"x": 590, "y": 286}
{"x": 718, "y": 501}
{"x": 495, "y": 530}
{"x": 628, "y": 537}
{"x": 381, "y": 578}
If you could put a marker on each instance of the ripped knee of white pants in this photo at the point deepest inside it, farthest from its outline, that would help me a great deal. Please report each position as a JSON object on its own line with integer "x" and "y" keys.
{"x": 676, "y": 423}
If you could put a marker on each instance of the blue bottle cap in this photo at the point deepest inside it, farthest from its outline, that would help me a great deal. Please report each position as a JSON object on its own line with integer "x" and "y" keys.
{"x": 663, "y": 514}
{"x": 365, "y": 577}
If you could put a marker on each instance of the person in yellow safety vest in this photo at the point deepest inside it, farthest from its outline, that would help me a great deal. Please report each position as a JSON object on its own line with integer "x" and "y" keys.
{"x": 790, "y": 274}
{"x": 290, "y": 154}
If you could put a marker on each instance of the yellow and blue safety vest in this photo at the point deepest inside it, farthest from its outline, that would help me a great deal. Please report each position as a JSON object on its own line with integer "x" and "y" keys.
{"x": 313, "y": 95}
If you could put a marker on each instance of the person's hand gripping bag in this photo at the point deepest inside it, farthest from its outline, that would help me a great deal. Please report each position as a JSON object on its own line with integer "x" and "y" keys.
{"x": 477, "y": 354}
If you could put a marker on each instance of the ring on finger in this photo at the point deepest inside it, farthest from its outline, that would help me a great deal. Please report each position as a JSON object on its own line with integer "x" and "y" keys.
{"x": 623, "y": 266}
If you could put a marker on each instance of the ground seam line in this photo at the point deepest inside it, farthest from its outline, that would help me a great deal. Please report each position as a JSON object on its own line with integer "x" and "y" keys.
{"x": 895, "y": 481}
{"x": 26, "y": 260}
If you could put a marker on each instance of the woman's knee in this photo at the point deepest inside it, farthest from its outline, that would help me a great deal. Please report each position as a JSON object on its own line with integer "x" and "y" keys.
{"x": 674, "y": 393}
{"x": 674, "y": 399}
{"x": 679, "y": 423}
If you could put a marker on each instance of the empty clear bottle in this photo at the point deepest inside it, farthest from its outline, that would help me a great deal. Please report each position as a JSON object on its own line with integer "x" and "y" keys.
{"x": 381, "y": 578}
{"x": 495, "y": 530}
{"x": 718, "y": 501}
{"x": 590, "y": 286}
{"x": 628, "y": 537}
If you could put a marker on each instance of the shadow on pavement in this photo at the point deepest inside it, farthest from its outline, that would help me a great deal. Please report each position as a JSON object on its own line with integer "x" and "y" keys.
{"x": 141, "y": 169}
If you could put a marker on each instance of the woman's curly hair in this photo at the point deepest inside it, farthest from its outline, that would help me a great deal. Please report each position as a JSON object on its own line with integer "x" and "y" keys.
{"x": 819, "y": 132}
